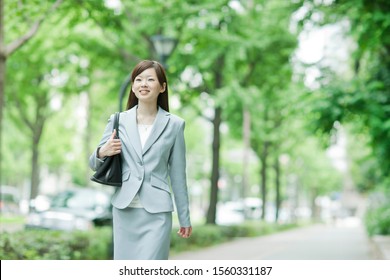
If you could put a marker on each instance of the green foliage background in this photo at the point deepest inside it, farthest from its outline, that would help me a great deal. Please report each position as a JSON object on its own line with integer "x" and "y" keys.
{"x": 238, "y": 56}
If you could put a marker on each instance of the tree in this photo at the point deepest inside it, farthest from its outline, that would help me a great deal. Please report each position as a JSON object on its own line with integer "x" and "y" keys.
{"x": 46, "y": 76}
{"x": 363, "y": 97}
{"x": 208, "y": 24}
{"x": 265, "y": 97}
{"x": 6, "y": 50}
{"x": 55, "y": 70}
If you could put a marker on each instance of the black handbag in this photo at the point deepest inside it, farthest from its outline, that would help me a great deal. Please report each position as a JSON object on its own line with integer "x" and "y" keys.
{"x": 110, "y": 172}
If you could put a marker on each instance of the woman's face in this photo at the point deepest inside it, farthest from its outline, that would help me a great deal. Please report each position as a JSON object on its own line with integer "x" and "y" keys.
{"x": 147, "y": 87}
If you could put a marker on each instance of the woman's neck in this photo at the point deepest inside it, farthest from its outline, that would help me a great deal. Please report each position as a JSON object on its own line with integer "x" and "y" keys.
{"x": 146, "y": 113}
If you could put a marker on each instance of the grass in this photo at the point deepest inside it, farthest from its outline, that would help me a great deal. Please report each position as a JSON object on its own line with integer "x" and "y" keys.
{"x": 12, "y": 219}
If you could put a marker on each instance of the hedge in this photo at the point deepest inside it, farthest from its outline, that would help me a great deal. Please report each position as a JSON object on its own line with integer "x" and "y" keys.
{"x": 96, "y": 244}
{"x": 56, "y": 245}
{"x": 377, "y": 221}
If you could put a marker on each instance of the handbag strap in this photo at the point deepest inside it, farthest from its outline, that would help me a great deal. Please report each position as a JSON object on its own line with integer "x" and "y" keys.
{"x": 116, "y": 125}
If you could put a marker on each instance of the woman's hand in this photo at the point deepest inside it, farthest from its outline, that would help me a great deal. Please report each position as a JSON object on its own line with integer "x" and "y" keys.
{"x": 111, "y": 147}
{"x": 185, "y": 232}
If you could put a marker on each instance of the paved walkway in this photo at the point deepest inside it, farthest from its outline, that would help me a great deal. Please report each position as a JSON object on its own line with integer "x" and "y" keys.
{"x": 344, "y": 240}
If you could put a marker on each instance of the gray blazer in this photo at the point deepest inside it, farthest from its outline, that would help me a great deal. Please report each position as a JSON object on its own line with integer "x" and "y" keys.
{"x": 146, "y": 171}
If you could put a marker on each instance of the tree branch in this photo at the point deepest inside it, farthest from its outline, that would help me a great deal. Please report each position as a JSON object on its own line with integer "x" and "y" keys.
{"x": 22, "y": 115}
{"x": 12, "y": 47}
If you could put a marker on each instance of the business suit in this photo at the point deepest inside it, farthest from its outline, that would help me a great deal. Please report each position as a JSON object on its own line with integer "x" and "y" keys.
{"x": 146, "y": 171}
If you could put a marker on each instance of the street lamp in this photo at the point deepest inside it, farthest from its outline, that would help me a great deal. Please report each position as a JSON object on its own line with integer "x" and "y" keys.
{"x": 163, "y": 46}
{"x": 122, "y": 91}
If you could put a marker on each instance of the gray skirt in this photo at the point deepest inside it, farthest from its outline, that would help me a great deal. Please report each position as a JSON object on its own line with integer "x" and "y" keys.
{"x": 140, "y": 235}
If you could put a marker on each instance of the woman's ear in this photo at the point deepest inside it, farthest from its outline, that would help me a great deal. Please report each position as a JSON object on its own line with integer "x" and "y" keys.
{"x": 163, "y": 87}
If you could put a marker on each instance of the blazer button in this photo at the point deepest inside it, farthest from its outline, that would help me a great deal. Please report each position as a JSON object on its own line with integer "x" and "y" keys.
{"x": 139, "y": 178}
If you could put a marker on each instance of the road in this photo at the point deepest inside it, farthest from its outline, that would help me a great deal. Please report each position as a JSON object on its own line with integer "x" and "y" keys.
{"x": 345, "y": 240}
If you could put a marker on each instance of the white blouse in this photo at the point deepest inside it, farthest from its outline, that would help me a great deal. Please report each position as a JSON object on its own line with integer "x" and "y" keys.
{"x": 144, "y": 132}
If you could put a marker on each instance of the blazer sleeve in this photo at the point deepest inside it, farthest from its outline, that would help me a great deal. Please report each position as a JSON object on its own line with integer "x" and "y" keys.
{"x": 94, "y": 161}
{"x": 178, "y": 177}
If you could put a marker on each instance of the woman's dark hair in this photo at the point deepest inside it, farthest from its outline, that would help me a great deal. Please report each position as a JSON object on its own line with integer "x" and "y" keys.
{"x": 162, "y": 99}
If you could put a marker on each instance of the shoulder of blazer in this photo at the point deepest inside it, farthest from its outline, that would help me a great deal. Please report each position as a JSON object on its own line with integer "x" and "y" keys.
{"x": 177, "y": 123}
{"x": 128, "y": 111}
{"x": 174, "y": 118}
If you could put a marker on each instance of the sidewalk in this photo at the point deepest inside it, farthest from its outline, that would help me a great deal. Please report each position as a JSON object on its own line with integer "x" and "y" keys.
{"x": 382, "y": 246}
{"x": 346, "y": 240}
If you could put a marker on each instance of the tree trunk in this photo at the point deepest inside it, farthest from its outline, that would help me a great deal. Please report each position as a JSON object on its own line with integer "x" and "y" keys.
{"x": 263, "y": 173}
{"x": 37, "y": 129}
{"x": 3, "y": 58}
{"x": 87, "y": 138}
{"x": 245, "y": 157}
{"x": 212, "y": 211}
{"x": 315, "y": 215}
{"x": 34, "y": 170}
{"x": 277, "y": 185}
{"x": 2, "y": 89}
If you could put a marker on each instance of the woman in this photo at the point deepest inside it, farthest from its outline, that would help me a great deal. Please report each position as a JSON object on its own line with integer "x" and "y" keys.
{"x": 153, "y": 149}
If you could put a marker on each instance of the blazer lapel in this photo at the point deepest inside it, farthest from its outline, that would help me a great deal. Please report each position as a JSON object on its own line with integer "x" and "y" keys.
{"x": 160, "y": 123}
{"x": 130, "y": 123}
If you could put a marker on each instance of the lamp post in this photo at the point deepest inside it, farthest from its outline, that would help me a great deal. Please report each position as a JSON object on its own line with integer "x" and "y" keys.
{"x": 122, "y": 90}
{"x": 163, "y": 45}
